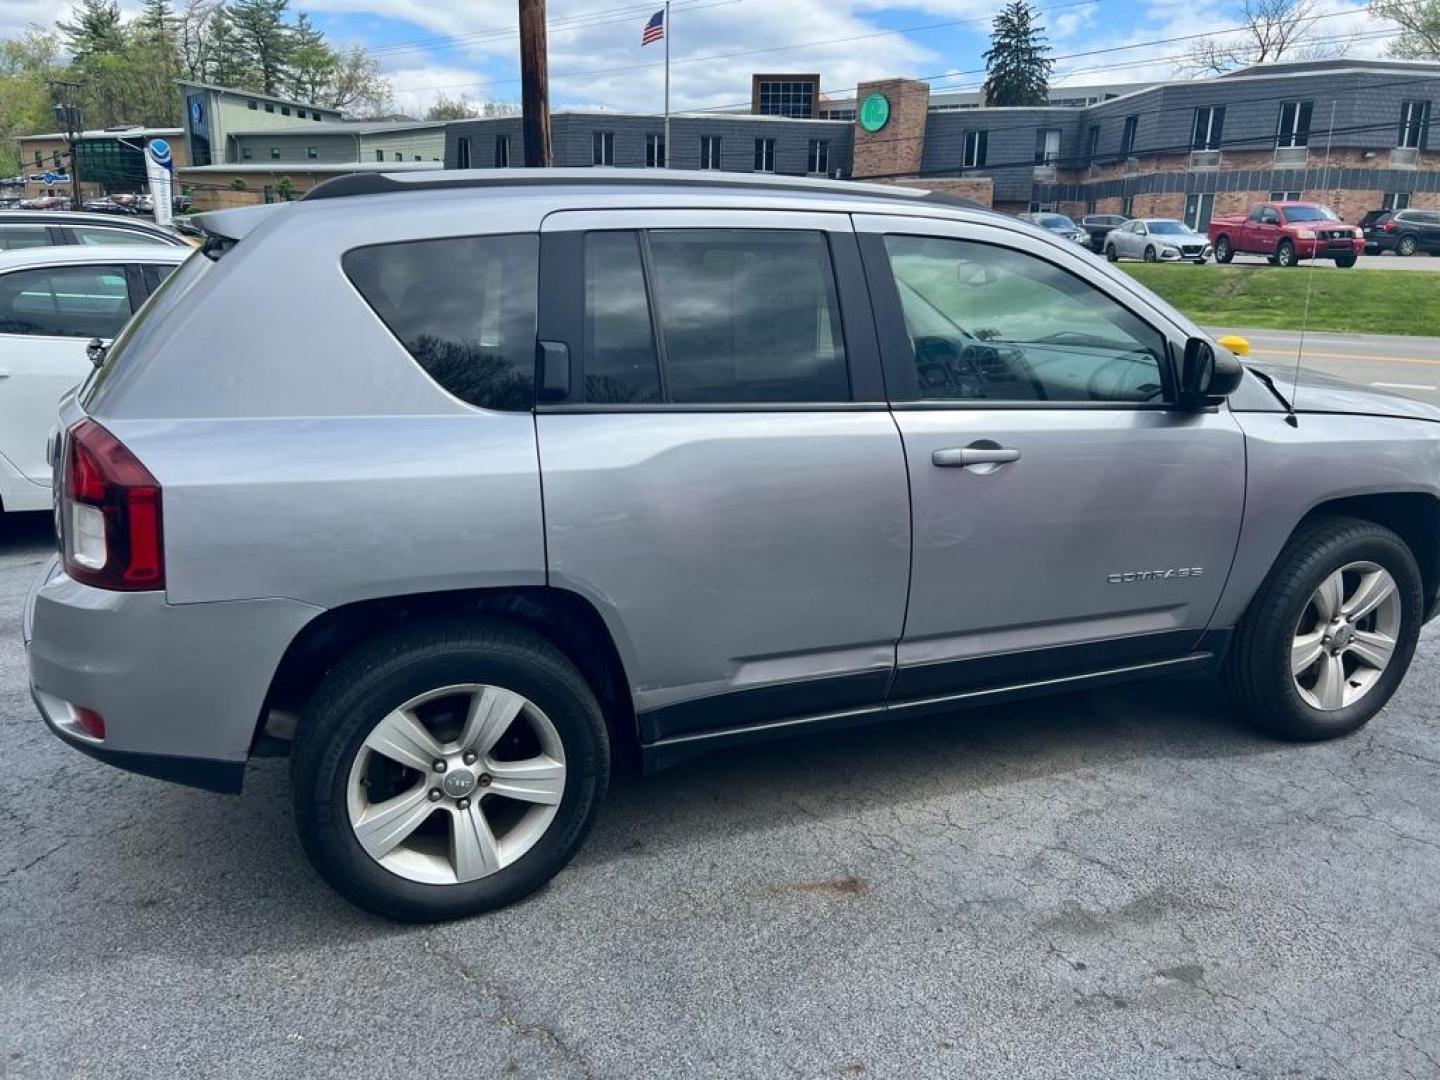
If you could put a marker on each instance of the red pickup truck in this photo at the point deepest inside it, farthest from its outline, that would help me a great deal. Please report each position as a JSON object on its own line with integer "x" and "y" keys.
{"x": 1286, "y": 232}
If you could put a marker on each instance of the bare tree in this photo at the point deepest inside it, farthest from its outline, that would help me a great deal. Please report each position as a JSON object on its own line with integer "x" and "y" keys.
{"x": 195, "y": 37}
{"x": 1272, "y": 30}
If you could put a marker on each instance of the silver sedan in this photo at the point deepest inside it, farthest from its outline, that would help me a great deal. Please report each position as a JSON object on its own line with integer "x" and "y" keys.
{"x": 1157, "y": 240}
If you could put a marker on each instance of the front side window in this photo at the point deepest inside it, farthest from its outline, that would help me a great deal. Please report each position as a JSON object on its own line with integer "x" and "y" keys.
{"x": 748, "y": 315}
{"x": 991, "y": 323}
{"x": 602, "y": 148}
{"x": 65, "y": 301}
{"x": 463, "y": 308}
{"x": 1294, "y": 124}
{"x": 975, "y": 149}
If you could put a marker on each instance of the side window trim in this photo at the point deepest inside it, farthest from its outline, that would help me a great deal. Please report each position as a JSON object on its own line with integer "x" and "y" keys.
{"x": 563, "y": 297}
{"x": 897, "y": 352}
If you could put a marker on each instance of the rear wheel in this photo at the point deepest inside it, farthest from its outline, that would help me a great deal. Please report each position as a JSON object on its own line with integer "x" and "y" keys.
{"x": 448, "y": 769}
{"x": 1223, "y": 251}
{"x": 1406, "y": 246}
{"x": 1331, "y": 632}
{"x": 1111, "y": 253}
{"x": 1285, "y": 254}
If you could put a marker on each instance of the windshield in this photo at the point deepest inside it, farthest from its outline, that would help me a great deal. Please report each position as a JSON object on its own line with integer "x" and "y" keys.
{"x": 1168, "y": 228}
{"x": 1310, "y": 213}
{"x": 1055, "y": 221}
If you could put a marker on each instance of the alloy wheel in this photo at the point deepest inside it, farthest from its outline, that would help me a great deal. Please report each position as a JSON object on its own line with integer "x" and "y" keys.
{"x": 456, "y": 784}
{"x": 1346, "y": 636}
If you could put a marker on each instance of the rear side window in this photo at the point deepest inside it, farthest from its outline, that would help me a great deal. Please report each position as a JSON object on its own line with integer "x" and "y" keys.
{"x": 464, "y": 308}
{"x": 16, "y": 237}
{"x": 65, "y": 301}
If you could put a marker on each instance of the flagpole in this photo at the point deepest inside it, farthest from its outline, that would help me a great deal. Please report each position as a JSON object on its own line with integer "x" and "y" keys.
{"x": 667, "y": 84}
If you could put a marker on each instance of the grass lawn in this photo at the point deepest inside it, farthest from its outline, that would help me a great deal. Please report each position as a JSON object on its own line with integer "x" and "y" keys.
{"x": 1267, "y": 297}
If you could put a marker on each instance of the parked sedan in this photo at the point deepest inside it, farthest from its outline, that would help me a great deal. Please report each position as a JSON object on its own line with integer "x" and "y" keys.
{"x": 1058, "y": 224}
{"x": 1157, "y": 240}
{"x": 31, "y": 229}
{"x": 53, "y": 302}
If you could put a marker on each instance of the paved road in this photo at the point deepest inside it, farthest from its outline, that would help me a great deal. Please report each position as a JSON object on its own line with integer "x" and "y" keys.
{"x": 1384, "y": 261}
{"x": 1119, "y": 885}
{"x": 1404, "y": 365}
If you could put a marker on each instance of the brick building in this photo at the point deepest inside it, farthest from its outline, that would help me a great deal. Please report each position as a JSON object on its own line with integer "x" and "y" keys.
{"x": 1353, "y": 133}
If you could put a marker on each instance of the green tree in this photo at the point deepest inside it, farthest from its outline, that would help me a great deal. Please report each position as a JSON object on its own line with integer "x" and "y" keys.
{"x": 285, "y": 188}
{"x": 264, "y": 40}
{"x": 1017, "y": 64}
{"x": 95, "y": 29}
{"x": 27, "y": 64}
{"x": 1419, "y": 27}
{"x": 312, "y": 63}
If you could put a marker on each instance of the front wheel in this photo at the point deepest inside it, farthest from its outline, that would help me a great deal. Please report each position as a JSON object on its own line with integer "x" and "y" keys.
{"x": 1285, "y": 254}
{"x": 1110, "y": 253}
{"x": 1150, "y": 254}
{"x": 448, "y": 769}
{"x": 1331, "y": 632}
{"x": 1223, "y": 251}
{"x": 1345, "y": 262}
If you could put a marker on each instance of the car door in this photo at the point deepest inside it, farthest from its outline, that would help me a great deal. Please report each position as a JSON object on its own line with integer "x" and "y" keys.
{"x": 1132, "y": 239}
{"x": 1066, "y": 518}
{"x": 1265, "y": 236}
{"x": 48, "y": 315}
{"x": 1429, "y": 222}
{"x": 722, "y": 479}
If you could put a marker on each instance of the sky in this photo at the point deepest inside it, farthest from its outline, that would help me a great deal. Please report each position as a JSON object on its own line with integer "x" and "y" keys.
{"x": 468, "y": 47}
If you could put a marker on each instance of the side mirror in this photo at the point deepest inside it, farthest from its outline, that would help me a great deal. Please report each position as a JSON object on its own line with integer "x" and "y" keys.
{"x": 1207, "y": 377}
{"x": 96, "y": 351}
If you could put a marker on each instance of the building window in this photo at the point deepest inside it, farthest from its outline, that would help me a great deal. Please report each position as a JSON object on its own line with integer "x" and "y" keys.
{"x": 1294, "y": 124}
{"x": 285, "y": 110}
{"x": 312, "y": 152}
{"x": 1209, "y": 127}
{"x": 462, "y": 153}
{"x": 55, "y": 159}
{"x": 252, "y": 105}
{"x": 765, "y": 155}
{"x": 314, "y": 116}
{"x": 1414, "y": 124}
{"x": 1127, "y": 137}
{"x": 818, "y": 161}
{"x": 1127, "y": 206}
{"x": 1089, "y": 206}
{"x": 39, "y": 159}
{"x": 1047, "y": 146}
{"x": 245, "y": 154}
{"x": 654, "y": 151}
{"x": 787, "y": 98}
{"x": 269, "y": 107}
{"x": 1286, "y": 196}
{"x": 709, "y": 151}
{"x": 1395, "y": 200}
{"x": 274, "y": 153}
{"x": 1092, "y": 143}
{"x": 602, "y": 148}
{"x": 974, "y": 149}
{"x": 502, "y": 151}
{"x": 379, "y": 155}
{"x": 399, "y": 156}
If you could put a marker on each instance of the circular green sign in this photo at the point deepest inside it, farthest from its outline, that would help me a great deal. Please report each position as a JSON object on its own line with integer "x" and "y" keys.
{"x": 874, "y": 112}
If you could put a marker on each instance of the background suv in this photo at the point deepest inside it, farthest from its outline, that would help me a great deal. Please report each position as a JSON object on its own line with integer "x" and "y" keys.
{"x": 1407, "y": 231}
{"x": 459, "y": 484}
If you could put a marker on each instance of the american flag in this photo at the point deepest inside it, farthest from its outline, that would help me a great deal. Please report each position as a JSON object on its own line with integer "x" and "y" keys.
{"x": 654, "y": 29}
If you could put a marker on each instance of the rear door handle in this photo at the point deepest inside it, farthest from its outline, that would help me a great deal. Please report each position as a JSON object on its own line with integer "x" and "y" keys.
{"x": 962, "y": 457}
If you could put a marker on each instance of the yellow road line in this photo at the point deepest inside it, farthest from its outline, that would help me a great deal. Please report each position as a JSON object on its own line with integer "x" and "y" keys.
{"x": 1311, "y": 354}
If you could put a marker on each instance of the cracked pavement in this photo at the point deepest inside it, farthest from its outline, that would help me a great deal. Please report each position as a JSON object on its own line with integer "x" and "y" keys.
{"x": 1118, "y": 884}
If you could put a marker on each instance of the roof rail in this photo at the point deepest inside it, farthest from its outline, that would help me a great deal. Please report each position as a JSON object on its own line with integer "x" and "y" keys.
{"x": 378, "y": 183}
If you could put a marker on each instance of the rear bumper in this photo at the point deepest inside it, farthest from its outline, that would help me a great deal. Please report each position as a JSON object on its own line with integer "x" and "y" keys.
{"x": 180, "y": 686}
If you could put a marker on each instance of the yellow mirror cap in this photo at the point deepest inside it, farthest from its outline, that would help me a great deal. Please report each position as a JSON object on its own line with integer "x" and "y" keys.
{"x": 1236, "y": 344}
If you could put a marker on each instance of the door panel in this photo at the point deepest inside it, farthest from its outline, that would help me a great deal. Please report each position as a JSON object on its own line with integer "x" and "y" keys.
{"x": 35, "y": 372}
{"x": 1064, "y": 518}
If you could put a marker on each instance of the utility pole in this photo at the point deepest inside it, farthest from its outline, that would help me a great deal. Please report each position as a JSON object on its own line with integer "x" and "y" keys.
{"x": 68, "y": 115}
{"x": 534, "y": 85}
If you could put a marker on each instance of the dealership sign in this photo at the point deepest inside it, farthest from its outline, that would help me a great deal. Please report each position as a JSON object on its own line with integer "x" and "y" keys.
{"x": 874, "y": 112}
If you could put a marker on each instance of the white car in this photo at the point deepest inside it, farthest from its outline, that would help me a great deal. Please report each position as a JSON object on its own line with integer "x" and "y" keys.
{"x": 1157, "y": 240}
{"x": 53, "y": 302}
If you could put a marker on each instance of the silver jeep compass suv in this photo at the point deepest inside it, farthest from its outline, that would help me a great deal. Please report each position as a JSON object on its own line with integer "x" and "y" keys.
{"x": 460, "y": 484}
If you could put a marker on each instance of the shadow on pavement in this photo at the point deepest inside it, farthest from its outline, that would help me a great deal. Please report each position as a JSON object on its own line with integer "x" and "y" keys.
{"x": 26, "y": 532}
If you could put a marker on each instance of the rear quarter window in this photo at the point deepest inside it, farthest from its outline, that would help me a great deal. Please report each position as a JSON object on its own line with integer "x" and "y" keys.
{"x": 463, "y": 307}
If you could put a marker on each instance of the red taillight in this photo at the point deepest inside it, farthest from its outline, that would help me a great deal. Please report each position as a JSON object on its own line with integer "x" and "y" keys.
{"x": 90, "y": 722}
{"x": 1389, "y": 226}
{"x": 110, "y": 522}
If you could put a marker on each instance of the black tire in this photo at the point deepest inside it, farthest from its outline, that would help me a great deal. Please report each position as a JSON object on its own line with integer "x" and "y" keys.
{"x": 1201, "y": 261}
{"x": 1223, "y": 251}
{"x": 383, "y": 673}
{"x": 1406, "y": 246}
{"x": 1149, "y": 254}
{"x": 1257, "y": 667}
{"x": 1111, "y": 254}
{"x": 1345, "y": 262}
{"x": 1285, "y": 254}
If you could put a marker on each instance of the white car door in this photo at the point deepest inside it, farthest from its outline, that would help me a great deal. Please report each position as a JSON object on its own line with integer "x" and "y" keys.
{"x": 47, "y": 317}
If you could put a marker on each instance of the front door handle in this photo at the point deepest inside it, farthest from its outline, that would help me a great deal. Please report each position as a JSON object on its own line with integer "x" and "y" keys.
{"x": 963, "y": 457}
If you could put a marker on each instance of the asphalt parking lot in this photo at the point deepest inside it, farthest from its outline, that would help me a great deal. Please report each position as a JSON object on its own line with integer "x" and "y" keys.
{"x": 1120, "y": 884}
